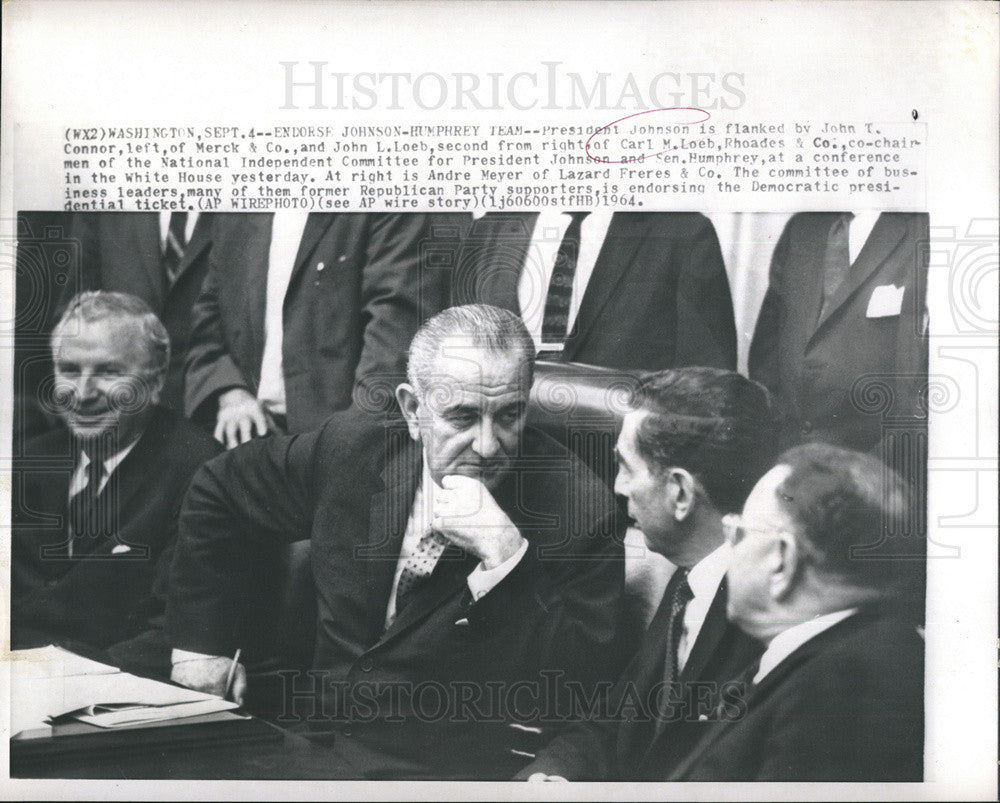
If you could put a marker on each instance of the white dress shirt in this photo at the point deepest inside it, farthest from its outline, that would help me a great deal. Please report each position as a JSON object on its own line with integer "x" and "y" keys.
{"x": 190, "y": 222}
{"x": 704, "y": 579}
{"x": 286, "y": 236}
{"x": 788, "y": 641}
{"x": 858, "y": 231}
{"x": 79, "y": 479}
{"x": 480, "y": 582}
{"x": 533, "y": 285}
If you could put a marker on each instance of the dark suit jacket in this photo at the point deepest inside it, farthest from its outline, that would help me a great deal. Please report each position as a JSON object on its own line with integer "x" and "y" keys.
{"x": 848, "y": 705}
{"x": 357, "y": 295}
{"x": 121, "y": 251}
{"x": 846, "y": 379}
{"x": 350, "y": 487}
{"x": 100, "y": 596}
{"x": 640, "y": 748}
{"x": 658, "y": 296}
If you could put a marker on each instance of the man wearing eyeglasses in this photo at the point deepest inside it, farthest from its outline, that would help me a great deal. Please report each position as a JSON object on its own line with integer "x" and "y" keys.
{"x": 821, "y": 568}
{"x": 688, "y": 454}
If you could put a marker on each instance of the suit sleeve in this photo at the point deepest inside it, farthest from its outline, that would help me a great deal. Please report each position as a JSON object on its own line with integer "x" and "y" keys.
{"x": 83, "y": 230}
{"x": 706, "y": 327}
{"x": 584, "y": 751}
{"x": 209, "y": 368}
{"x": 400, "y": 289}
{"x": 763, "y": 363}
{"x": 260, "y": 494}
{"x": 557, "y": 616}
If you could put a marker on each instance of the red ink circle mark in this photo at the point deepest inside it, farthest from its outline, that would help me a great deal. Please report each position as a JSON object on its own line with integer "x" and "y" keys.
{"x": 644, "y": 156}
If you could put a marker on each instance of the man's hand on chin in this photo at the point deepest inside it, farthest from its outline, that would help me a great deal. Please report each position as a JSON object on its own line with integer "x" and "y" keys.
{"x": 467, "y": 515}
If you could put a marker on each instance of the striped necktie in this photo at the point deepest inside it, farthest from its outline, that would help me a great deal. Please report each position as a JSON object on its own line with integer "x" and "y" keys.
{"x": 555, "y": 320}
{"x": 173, "y": 250}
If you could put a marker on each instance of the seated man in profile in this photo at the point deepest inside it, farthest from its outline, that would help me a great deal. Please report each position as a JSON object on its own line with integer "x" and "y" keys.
{"x": 821, "y": 567}
{"x": 95, "y": 505}
{"x": 463, "y": 565}
{"x": 688, "y": 454}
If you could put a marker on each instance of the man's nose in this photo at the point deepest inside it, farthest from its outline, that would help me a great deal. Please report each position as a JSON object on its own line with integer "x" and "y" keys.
{"x": 486, "y": 443}
{"x": 85, "y": 386}
{"x": 621, "y": 487}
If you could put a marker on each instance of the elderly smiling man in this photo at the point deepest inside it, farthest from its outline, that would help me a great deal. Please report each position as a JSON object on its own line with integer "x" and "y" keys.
{"x": 462, "y": 563}
{"x": 95, "y": 508}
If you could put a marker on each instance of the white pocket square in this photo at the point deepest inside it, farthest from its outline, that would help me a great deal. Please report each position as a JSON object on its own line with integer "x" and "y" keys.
{"x": 121, "y": 549}
{"x": 886, "y": 301}
{"x": 462, "y": 622}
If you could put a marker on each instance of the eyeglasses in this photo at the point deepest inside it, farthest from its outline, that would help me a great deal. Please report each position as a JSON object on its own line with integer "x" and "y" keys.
{"x": 735, "y": 530}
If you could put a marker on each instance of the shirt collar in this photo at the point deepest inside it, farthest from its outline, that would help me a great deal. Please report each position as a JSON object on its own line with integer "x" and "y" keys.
{"x": 425, "y": 492}
{"x": 111, "y": 463}
{"x": 706, "y": 575}
{"x": 788, "y": 641}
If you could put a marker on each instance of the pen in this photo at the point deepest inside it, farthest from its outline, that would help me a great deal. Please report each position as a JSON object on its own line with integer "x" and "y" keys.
{"x": 232, "y": 674}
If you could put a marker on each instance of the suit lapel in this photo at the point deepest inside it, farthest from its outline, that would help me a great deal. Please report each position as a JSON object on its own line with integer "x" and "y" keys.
{"x": 316, "y": 226}
{"x": 710, "y": 636}
{"x": 885, "y": 236}
{"x": 449, "y": 577}
{"x": 637, "y": 736}
{"x": 148, "y": 248}
{"x": 712, "y": 632}
{"x": 500, "y": 257}
{"x": 624, "y": 236}
{"x": 805, "y": 271}
{"x": 390, "y": 512}
{"x": 452, "y": 569}
{"x": 52, "y": 494}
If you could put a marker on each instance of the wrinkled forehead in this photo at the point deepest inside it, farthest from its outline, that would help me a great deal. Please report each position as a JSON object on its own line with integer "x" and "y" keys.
{"x": 117, "y": 339}
{"x": 470, "y": 376}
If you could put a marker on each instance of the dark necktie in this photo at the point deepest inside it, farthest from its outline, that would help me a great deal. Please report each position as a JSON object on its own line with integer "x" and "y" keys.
{"x": 836, "y": 260}
{"x": 173, "y": 250}
{"x": 555, "y": 320}
{"x": 680, "y": 594}
{"x": 87, "y": 516}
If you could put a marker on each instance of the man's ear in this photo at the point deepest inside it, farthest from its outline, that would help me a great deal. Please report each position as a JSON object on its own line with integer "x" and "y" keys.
{"x": 406, "y": 395}
{"x": 153, "y": 386}
{"x": 682, "y": 488}
{"x": 787, "y": 564}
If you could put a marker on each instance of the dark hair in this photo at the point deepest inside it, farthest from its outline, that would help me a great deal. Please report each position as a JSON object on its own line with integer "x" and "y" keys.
{"x": 714, "y": 423}
{"x": 495, "y": 329}
{"x": 851, "y": 512}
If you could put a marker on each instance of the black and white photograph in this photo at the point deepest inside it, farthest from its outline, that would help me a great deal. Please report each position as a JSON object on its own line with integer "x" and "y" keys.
{"x": 546, "y": 424}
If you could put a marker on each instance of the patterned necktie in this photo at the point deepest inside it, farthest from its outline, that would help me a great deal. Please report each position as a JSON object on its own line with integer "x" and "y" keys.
{"x": 555, "y": 320}
{"x": 836, "y": 260}
{"x": 173, "y": 250}
{"x": 680, "y": 595}
{"x": 418, "y": 567}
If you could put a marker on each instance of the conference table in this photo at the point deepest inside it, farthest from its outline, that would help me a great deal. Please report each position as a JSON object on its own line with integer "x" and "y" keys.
{"x": 212, "y": 746}
{"x": 278, "y": 755}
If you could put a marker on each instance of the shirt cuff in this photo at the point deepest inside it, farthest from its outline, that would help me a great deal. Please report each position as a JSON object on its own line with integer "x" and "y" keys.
{"x": 180, "y": 656}
{"x": 481, "y": 581}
